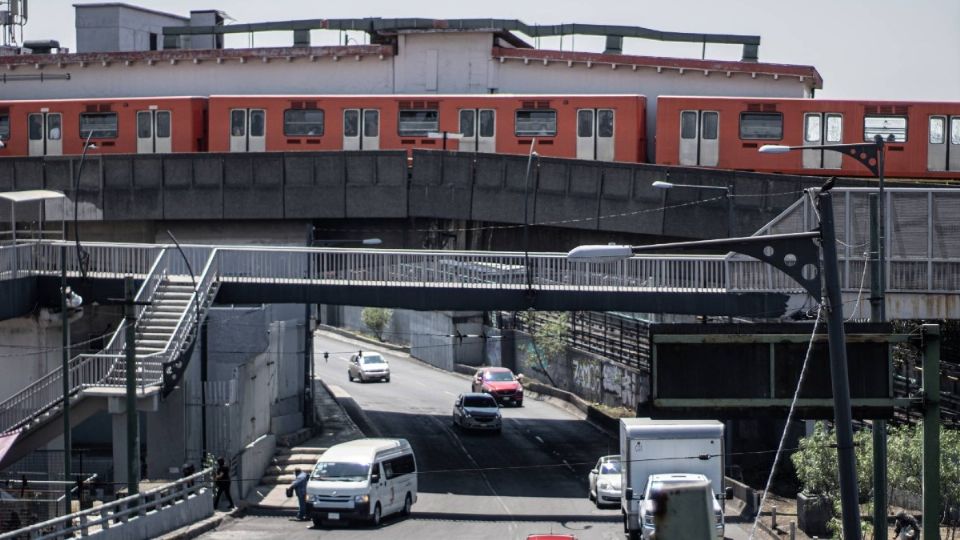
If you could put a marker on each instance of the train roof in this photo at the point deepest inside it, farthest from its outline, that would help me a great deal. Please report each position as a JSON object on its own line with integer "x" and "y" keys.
{"x": 427, "y": 96}
{"x": 817, "y": 100}
{"x": 111, "y": 99}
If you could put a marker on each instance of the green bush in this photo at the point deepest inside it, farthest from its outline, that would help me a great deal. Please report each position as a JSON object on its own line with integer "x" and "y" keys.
{"x": 376, "y": 319}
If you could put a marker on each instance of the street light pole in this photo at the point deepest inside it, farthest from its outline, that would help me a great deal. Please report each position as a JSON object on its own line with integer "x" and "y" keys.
{"x": 81, "y": 256}
{"x": 65, "y": 371}
{"x": 872, "y": 156}
{"x": 526, "y": 220}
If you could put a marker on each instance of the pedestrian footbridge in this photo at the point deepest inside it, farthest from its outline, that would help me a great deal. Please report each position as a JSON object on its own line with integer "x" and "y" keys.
{"x": 176, "y": 286}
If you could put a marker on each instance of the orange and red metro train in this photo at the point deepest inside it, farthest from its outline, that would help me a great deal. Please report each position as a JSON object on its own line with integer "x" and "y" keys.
{"x": 923, "y": 138}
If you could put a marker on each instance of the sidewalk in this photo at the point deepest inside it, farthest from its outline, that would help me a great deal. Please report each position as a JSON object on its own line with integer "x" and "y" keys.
{"x": 336, "y": 427}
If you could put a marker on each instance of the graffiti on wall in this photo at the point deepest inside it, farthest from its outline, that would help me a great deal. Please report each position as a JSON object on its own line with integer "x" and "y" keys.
{"x": 622, "y": 382}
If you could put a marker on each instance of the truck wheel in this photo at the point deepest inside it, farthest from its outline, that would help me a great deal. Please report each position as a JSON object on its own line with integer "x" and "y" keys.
{"x": 633, "y": 535}
{"x": 407, "y": 505}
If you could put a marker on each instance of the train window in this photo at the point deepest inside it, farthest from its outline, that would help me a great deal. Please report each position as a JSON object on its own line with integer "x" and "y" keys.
{"x": 257, "y": 123}
{"x": 710, "y": 121}
{"x": 303, "y": 122}
{"x": 53, "y": 127}
{"x": 163, "y": 124}
{"x": 604, "y": 123}
{"x": 955, "y": 130}
{"x": 538, "y": 122}
{"x": 467, "y": 123}
{"x": 812, "y": 131}
{"x": 97, "y": 125}
{"x": 688, "y": 125}
{"x": 891, "y": 128}
{"x": 238, "y": 122}
{"x": 351, "y": 123}
{"x": 418, "y": 121}
{"x": 585, "y": 123}
{"x": 487, "y": 123}
{"x": 4, "y": 127}
{"x": 936, "y": 129}
{"x": 144, "y": 125}
{"x": 755, "y": 125}
{"x": 35, "y": 127}
{"x": 371, "y": 123}
{"x": 834, "y": 128}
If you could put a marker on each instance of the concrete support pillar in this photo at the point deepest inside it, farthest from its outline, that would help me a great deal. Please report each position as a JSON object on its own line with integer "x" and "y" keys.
{"x": 166, "y": 442}
{"x": 119, "y": 443}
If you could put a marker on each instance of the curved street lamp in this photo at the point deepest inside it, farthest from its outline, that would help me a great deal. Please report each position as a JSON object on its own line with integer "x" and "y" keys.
{"x": 727, "y": 194}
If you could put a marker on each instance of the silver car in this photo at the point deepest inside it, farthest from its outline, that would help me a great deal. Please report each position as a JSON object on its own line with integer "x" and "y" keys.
{"x": 604, "y": 481}
{"x": 368, "y": 366}
{"x": 477, "y": 411}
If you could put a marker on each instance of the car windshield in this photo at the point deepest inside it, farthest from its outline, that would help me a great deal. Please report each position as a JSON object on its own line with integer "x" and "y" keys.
{"x": 333, "y": 471}
{"x": 479, "y": 401}
{"x": 373, "y": 359}
{"x": 610, "y": 467}
{"x": 499, "y": 376}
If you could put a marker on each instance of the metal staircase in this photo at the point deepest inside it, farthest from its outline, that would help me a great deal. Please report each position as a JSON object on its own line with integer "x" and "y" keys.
{"x": 169, "y": 312}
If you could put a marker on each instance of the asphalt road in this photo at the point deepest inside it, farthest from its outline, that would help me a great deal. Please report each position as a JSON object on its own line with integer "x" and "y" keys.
{"x": 532, "y": 478}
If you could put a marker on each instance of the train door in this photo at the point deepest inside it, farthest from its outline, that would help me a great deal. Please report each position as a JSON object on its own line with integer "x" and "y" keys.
{"x": 248, "y": 130}
{"x": 943, "y": 143}
{"x": 45, "y": 133}
{"x": 595, "y": 134}
{"x": 699, "y": 141}
{"x": 153, "y": 132}
{"x": 820, "y": 129}
{"x": 361, "y": 129}
{"x": 478, "y": 136}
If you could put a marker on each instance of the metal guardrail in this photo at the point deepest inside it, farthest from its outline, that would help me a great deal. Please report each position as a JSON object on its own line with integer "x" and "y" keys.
{"x": 118, "y": 512}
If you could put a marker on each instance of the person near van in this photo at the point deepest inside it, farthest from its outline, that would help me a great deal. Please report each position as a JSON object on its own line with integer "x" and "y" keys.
{"x": 299, "y": 487}
{"x": 222, "y": 482}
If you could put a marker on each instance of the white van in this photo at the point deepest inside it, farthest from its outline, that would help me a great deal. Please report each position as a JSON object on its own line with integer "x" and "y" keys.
{"x": 365, "y": 479}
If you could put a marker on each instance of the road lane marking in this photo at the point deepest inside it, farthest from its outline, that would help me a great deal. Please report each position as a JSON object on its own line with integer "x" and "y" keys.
{"x": 568, "y": 466}
{"x": 539, "y": 440}
{"x": 449, "y": 393}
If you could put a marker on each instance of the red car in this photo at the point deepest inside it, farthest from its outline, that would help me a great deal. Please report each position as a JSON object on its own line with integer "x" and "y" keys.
{"x": 500, "y": 383}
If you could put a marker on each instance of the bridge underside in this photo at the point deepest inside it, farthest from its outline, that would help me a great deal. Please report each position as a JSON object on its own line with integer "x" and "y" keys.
{"x": 43, "y": 290}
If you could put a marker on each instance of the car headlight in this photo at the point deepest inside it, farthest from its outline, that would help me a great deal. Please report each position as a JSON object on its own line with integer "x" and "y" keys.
{"x": 648, "y": 520}
{"x": 604, "y": 485}
{"x": 361, "y": 499}
{"x": 467, "y": 414}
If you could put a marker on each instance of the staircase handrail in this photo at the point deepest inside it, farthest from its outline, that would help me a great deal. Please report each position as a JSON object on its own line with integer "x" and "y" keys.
{"x": 189, "y": 317}
{"x": 86, "y": 370}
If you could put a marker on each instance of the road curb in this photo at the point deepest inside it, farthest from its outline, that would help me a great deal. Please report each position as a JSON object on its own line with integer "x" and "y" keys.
{"x": 201, "y": 527}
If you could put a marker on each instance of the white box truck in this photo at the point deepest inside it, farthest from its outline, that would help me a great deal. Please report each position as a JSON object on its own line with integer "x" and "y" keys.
{"x": 667, "y": 450}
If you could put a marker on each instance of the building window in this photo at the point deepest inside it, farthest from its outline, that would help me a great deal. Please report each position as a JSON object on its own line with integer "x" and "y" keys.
{"x": 418, "y": 122}
{"x": 4, "y": 127}
{"x": 536, "y": 123}
{"x": 891, "y": 128}
{"x": 755, "y": 125}
{"x": 303, "y": 122}
{"x": 98, "y": 125}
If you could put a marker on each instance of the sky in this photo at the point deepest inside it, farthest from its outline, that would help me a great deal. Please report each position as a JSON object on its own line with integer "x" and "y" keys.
{"x": 863, "y": 49}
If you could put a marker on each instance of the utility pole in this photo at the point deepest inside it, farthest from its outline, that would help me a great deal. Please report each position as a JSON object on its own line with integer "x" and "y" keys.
{"x": 65, "y": 371}
{"x": 931, "y": 432}
{"x": 133, "y": 428}
{"x": 879, "y": 426}
{"x": 839, "y": 378}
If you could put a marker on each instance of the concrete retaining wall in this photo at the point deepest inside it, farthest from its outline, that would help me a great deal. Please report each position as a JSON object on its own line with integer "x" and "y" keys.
{"x": 253, "y": 461}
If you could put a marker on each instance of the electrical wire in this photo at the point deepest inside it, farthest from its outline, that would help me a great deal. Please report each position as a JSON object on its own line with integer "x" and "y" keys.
{"x": 786, "y": 427}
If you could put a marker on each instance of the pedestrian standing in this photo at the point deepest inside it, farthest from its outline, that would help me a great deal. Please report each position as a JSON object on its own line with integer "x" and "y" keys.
{"x": 222, "y": 482}
{"x": 299, "y": 487}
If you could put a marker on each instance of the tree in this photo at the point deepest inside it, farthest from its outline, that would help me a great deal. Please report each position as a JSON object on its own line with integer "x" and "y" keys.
{"x": 376, "y": 319}
{"x": 549, "y": 340}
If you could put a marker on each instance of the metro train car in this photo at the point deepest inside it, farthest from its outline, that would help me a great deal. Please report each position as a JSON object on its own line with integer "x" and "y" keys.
{"x": 115, "y": 126}
{"x": 595, "y": 127}
{"x": 923, "y": 138}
